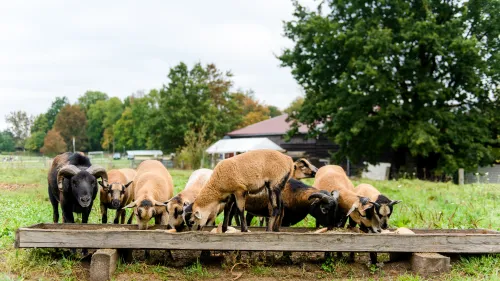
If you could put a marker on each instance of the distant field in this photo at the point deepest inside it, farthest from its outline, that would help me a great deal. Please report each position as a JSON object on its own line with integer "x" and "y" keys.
{"x": 24, "y": 201}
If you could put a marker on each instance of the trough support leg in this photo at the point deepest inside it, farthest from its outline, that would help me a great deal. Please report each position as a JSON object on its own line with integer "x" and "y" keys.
{"x": 430, "y": 263}
{"x": 103, "y": 264}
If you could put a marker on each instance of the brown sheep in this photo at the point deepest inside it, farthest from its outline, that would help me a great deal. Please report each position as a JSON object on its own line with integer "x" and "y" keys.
{"x": 176, "y": 205}
{"x": 256, "y": 204}
{"x": 247, "y": 173}
{"x": 117, "y": 194}
{"x": 331, "y": 178}
{"x": 152, "y": 186}
{"x": 383, "y": 205}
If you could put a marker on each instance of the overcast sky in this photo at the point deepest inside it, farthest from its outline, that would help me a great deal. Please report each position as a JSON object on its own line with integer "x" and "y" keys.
{"x": 63, "y": 48}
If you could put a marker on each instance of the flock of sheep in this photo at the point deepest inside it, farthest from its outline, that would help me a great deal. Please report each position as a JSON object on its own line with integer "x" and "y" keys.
{"x": 264, "y": 183}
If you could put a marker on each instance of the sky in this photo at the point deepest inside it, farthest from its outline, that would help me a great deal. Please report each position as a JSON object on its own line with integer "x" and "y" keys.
{"x": 64, "y": 48}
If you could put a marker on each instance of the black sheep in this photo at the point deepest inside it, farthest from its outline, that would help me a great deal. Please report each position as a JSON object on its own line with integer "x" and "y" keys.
{"x": 72, "y": 182}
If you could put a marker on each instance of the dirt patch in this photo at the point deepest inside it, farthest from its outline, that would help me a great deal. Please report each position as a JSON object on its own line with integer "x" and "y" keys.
{"x": 17, "y": 186}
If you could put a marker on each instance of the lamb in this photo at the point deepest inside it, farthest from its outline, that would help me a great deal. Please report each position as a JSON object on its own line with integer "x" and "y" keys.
{"x": 383, "y": 205}
{"x": 234, "y": 178}
{"x": 72, "y": 182}
{"x": 176, "y": 205}
{"x": 333, "y": 178}
{"x": 152, "y": 186}
{"x": 117, "y": 194}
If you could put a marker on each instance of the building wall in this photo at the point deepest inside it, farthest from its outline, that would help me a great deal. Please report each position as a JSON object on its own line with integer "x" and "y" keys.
{"x": 484, "y": 175}
{"x": 314, "y": 149}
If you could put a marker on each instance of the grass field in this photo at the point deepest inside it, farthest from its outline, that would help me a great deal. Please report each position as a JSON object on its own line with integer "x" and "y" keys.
{"x": 24, "y": 201}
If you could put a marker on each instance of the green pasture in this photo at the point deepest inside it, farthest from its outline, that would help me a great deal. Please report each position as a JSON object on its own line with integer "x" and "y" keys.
{"x": 24, "y": 201}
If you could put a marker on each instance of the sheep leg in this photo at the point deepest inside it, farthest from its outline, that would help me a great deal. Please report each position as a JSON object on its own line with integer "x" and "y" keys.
{"x": 68, "y": 214}
{"x": 228, "y": 213}
{"x": 279, "y": 209}
{"x": 240, "y": 204}
{"x": 117, "y": 216}
{"x": 373, "y": 258}
{"x": 104, "y": 214}
{"x": 163, "y": 218}
{"x": 123, "y": 215}
{"x": 131, "y": 217}
{"x": 249, "y": 218}
{"x": 55, "y": 207}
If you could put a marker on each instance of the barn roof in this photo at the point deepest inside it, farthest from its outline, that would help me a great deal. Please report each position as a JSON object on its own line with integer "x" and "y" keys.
{"x": 242, "y": 145}
{"x": 274, "y": 126}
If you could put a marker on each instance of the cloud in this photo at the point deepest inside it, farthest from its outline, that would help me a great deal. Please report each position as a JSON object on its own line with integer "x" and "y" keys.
{"x": 60, "y": 48}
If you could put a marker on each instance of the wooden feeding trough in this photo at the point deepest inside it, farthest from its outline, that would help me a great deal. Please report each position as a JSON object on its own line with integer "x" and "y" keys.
{"x": 424, "y": 244}
{"x": 99, "y": 236}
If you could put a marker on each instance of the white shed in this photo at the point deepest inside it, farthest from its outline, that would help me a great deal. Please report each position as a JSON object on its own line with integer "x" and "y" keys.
{"x": 242, "y": 145}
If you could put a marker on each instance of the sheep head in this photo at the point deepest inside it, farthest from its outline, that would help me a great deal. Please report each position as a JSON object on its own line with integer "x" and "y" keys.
{"x": 175, "y": 210}
{"x": 383, "y": 210}
{"x": 82, "y": 182}
{"x": 115, "y": 192}
{"x": 303, "y": 169}
{"x": 145, "y": 209}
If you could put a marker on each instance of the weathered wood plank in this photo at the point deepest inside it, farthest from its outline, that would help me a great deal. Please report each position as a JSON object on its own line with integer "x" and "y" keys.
{"x": 259, "y": 241}
{"x": 79, "y": 226}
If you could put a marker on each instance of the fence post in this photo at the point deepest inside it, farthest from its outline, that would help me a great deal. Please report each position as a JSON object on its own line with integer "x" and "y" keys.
{"x": 461, "y": 176}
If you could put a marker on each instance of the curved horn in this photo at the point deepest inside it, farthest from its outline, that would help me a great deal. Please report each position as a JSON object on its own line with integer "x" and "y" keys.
{"x": 98, "y": 172}
{"x": 395, "y": 202}
{"x": 375, "y": 203}
{"x": 66, "y": 171}
{"x": 323, "y": 197}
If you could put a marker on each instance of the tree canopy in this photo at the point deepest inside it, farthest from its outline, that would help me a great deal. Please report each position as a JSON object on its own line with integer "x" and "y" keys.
{"x": 418, "y": 79}
{"x": 6, "y": 142}
{"x": 71, "y": 122}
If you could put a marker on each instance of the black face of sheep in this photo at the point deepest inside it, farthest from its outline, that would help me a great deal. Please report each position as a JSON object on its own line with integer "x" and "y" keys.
{"x": 324, "y": 208}
{"x": 384, "y": 210}
{"x": 81, "y": 182}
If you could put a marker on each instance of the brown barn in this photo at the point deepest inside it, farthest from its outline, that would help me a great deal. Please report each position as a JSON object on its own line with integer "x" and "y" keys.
{"x": 316, "y": 150}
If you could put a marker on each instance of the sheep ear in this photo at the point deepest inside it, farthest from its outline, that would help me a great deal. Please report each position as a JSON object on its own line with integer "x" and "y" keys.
{"x": 160, "y": 204}
{"x": 394, "y": 202}
{"x": 128, "y": 184}
{"x": 186, "y": 203}
{"x": 367, "y": 207}
{"x": 131, "y": 205}
{"x": 197, "y": 215}
{"x": 351, "y": 210}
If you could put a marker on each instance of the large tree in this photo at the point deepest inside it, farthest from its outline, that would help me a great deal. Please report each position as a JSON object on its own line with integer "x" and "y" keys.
{"x": 71, "y": 122}
{"x": 102, "y": 116}
{"x": 193, "y": 98}
{"x": 20, "y": 123}
{"x": 53, "y": 144}
{"x": 39, "y": 130}
{"x": 6, "y": 142}
{"x": 417, "y": 78}
{"x": 91, "y": 97}
{"x": 131, "y": 131}
{"x": 54, "y": 109}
